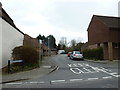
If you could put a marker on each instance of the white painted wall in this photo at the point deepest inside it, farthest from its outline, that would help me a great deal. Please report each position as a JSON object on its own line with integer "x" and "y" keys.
{"x": 10, "y": 39}
{"x": 0, "y": 42}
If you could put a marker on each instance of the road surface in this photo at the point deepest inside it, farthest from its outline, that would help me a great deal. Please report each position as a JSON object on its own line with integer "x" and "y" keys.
{"x": 74, "y": 74}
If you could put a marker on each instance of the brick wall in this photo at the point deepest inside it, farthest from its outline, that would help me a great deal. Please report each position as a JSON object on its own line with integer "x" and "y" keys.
{"x": 32, "y": 42}
{"x": 98, "y": 32}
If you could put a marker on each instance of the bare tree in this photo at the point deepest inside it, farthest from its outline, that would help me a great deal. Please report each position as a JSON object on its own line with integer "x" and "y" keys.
{"x": 73, "y": 43}
{"x": 63, "y": 42}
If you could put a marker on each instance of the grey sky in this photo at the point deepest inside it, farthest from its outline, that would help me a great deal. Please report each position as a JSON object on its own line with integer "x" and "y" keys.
{"x": 61, "y": 18}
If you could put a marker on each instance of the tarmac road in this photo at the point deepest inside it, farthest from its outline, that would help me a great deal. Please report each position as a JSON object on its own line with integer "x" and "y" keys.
{"x": 74, "y": 74}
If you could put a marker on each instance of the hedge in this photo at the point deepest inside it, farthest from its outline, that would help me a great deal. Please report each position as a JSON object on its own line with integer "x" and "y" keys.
{"x": 26, "y": 53}
{"x": 95, "y": 54}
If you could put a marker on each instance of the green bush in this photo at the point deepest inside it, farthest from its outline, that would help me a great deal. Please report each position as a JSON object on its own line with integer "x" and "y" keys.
{"x": 28, "y": 54}
{"x": 95, "y": 54}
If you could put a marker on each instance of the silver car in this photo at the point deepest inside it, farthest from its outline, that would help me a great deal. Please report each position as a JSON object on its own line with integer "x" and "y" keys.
{"x": 76, "y": 55}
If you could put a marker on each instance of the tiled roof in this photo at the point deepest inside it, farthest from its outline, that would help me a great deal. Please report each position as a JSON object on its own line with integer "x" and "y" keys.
{"x": 7, "y": 18}
{"x": 111, "y": 22}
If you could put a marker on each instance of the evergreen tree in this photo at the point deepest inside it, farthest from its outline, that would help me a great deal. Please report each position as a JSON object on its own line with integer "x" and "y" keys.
{"x": 50, "y": 40}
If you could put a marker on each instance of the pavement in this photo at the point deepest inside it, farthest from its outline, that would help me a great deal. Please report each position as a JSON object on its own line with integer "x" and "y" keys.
{"x": 47, "y": 67}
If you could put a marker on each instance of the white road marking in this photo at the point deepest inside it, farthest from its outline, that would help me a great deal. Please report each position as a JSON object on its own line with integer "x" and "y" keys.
{"x": 77, "y": 65}
{"x": 83, "y": 66}
{"x": 70, "y": 65}
{"x": 117, "y": 75}
{"x": 33, "y": 82}
{"x": 41, "y": 82}
{"x": 37, "y": 82}
{"x": 107, "y": 72}
{"x": 46, "y": 67}
{"x": 13, "y": 83}
{"x": 94, "y": 68}
{"x": 92, "y": 78}
{"x": 57, "y": 81}
{"x": 75, "y": 80}
{"x": 79, "y": 71}
{"x": 105, "y": 69}
{"x": 113, "y": 73}
{"x": 80, "y": 65}
{"x": 107, "y": 77}
{"x": 87, "y": 70}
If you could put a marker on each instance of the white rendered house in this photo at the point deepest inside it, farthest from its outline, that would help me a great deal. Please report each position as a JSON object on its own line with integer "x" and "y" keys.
{"x": 10, "y": 37}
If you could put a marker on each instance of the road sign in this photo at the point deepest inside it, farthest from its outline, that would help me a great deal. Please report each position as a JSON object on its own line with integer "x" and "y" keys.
{"x": 16, "y": 61}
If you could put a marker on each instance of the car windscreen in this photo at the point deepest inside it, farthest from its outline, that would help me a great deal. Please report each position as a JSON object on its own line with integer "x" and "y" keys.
{"x": 77, "y": 52}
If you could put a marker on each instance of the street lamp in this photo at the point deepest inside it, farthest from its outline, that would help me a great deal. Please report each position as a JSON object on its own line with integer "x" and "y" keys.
{"x": 40, "y": 51}
{"x": 48, "y": 46}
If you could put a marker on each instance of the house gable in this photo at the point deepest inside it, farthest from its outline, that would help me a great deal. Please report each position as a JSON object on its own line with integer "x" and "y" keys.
{"x": 97, "y": 31}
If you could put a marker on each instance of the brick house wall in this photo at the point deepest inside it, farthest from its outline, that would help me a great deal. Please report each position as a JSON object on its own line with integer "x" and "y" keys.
{"x": 97, "y": 32}
{"x": 105, "y": 31}
{"x": 32, "y": 42}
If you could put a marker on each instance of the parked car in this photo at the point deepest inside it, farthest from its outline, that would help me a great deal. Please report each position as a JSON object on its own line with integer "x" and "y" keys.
{"x": 69, "y": 53}
{"x": 76, "y": 55}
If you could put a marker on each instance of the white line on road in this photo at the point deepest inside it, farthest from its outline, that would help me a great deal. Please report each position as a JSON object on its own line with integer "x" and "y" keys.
{"x": 105, "y": 69}
{"x": 113, "y": 73}
{"x": 76, "y": 79}
{"x": 92, "y": 78}
{"x": 57, "y": 81}
{"x": 13, "y": 83}
{"x": 33, "y": 82}
{"x": 76, "y": 70}
{"x": 87, "y": 70}
{"x": 46, "y": 67}
{"x": 37, "y": 82}
{"x": 107, "y": 77}
{"x": 107, "y": 72}
{"x": 117, "y": 75}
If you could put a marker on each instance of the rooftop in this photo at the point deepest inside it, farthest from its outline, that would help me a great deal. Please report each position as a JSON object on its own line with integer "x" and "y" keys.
{"x": 111, "y": 22}
{"x": 7, "y": 18}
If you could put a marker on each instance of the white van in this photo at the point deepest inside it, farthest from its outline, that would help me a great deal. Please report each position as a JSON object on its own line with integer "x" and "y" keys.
{"x": 61, "y": 51}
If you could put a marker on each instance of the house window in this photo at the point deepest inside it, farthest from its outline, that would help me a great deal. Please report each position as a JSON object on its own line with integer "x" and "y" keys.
{"x": 116, "y": 45}
{"x": 98, "y": 45}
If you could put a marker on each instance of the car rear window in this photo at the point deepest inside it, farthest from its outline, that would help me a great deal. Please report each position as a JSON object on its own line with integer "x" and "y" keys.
{"x": 77, "y": 52}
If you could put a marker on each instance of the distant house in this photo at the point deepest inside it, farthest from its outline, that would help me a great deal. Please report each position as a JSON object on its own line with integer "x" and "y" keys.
{"x": 104, "y": 31}
{"x": 46, "y": 50}
{"x": 53, "y": 51}
{"x": 85, "y": 46}
{"x": 10, "y": 37}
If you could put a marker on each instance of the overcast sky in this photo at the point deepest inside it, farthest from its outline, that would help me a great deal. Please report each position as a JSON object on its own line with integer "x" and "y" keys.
{"x": 61, "y": 18}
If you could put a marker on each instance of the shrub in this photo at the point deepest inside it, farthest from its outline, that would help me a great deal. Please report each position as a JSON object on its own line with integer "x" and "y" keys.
{"x": 28, "y": 54}
{"x": 96, "y": 54}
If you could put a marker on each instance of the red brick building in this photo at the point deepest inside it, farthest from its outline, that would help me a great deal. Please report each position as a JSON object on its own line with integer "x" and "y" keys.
{"x": 105, "y": 31}
{"x": 32, "y": 42}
